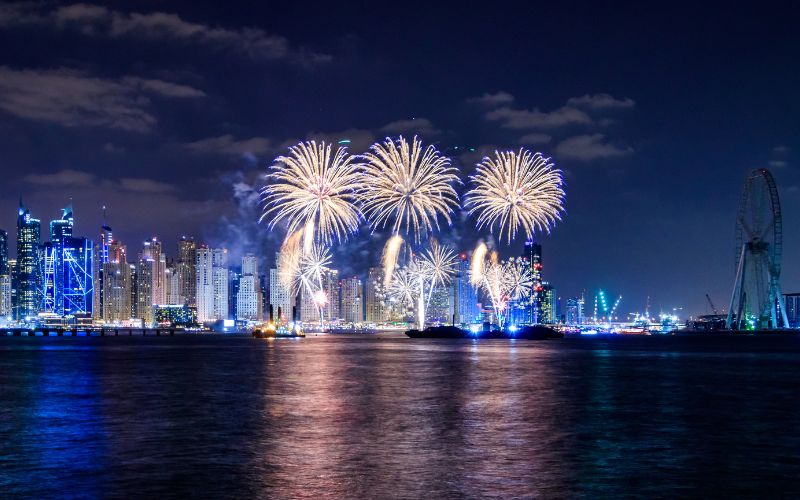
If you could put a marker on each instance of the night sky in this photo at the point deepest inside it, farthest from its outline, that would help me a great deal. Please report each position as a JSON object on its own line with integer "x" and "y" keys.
{"x": 169, "y": 113}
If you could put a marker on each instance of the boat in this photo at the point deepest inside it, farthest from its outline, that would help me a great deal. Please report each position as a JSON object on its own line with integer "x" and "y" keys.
{"x": 270, "y": 331}
{"x": 528, "y": 332}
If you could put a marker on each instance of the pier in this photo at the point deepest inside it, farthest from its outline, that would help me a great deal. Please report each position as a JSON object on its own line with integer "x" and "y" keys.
{"x": 84, "y": 331}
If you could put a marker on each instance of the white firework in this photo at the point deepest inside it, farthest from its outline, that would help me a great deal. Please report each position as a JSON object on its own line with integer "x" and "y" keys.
{"x": 407, "y": 185}
{"x": 501, "y": 281}
{"x": 313, "y": 190}
{"x": 516, "y": 191}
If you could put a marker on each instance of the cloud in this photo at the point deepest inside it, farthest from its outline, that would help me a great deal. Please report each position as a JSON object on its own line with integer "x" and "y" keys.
{"x": 73, "y": 98}
{"x": 777, "y": 163}
{"x": 71, "y": 179}
{"x": 589, "y": 147}
{"x": 100, "y": 21}
{"x": 144, "y": 186}
{"x": 491, "y": 100}
{"x": 421, "y": 126}
{"x": 65, "y": 178}
{"x": 523, "y": 118}
{"x": 600, "y": 101}
{"x": 780, "y": 149}
{"x": 535, "y": 138}
{"x": 229, "y": 145}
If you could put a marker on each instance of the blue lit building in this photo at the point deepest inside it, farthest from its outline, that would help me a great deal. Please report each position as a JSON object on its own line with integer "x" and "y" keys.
{"x": 28, "y": 285}
{"x": 466, "y": 297}
{"x": 533, "y": 255}
{"x": 67, "y": 283}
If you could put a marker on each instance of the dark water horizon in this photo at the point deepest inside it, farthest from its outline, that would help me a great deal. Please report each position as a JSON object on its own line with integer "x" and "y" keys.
{"x": 384, "y": 416}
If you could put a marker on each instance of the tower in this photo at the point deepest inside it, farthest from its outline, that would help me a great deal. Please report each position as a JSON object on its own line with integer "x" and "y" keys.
{"x": 28, "y": 264}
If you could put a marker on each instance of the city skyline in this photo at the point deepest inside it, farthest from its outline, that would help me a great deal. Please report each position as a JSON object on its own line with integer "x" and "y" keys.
{"x": 642, "y": 155}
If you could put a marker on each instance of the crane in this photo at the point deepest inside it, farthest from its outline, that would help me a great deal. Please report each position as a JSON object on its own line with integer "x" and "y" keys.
{"x": 710, "y": 303}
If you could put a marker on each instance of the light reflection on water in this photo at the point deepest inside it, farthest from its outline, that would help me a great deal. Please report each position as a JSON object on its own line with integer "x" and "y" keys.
{"x": 386, "y": 416}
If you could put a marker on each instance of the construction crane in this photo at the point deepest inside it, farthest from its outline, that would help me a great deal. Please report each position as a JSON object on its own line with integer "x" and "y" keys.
{"x": 710, "y": 303}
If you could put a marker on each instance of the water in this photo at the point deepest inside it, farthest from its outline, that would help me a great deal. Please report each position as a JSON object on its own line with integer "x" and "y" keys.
{"x": 386, "y": 416}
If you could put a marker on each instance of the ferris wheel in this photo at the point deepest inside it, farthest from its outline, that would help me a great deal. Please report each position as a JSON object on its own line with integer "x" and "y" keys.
{"x": 756, "y": 301}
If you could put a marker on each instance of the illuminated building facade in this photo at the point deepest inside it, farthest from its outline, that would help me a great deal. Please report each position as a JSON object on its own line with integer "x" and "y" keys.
{"x": 375, "y": 296}
{"x": 574, "y": 314}
{"x": 280, "y": 297}
{"x": 211, "y": 267}
{"x": 186, "y": 268}
{"x": 532, "y": 253}
{"x": 248, "y": 296}
{"x": 173, "y": 315}
{"x": 351, "y": 307}
{"x": 116, "y": 285}
{"x": 792, "y": 301}
{"x": 466, "y": 297}
{"x": 28, "y": 266}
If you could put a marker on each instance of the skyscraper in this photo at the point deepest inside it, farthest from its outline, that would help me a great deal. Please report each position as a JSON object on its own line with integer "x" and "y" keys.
{"x": 533, "y": 254}
{"x": 375, "y": 296}
{"x": 280, "y": 297}
{"x": 6, "y": 294}
{"x": 3, "y": 253}
{"x": 187, "y": 270}
{"x": 466, "y": 297}
{"x": 204, "y": 266}
{"x": 248, "y": 296}
{"x": 144, "y": 288}
{"x": 212, "y": 283}
{"x": 352, "y": 300}
{"x": 152, "y": 252}
{"x": 77, "y": 287}
{"x": 116, "y": 285}
{"x": 28, "y": 282}
{"x": 220, "y": 262}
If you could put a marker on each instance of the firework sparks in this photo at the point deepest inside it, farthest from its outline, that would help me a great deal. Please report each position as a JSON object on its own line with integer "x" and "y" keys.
{"x": 317, "y": 191}
{"x": 516, "y": 190}
{"x": 289, "y": 258}
{"x": 391, "y": 252}
{"x": 440, "y": 264}
{"x": 411, "y": 186}
{"x": 502, "y": 281}
{"x": 477, "y": 264}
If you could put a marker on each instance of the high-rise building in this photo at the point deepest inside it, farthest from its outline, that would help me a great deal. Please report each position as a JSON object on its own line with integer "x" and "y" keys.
{"x": 466, "y": 297}
{"x": 4, "y": 253}
{"x": 548, "y": 312}
{"x": 351, "y": 300}
{"x": 187, "y": 269}
{"x": 375, "y": 296}
{"x": 101, "y": 257}
{"x": 792, "y": 301}
{"x": 117, "y": 285}
{"x": 440, "y": 307}
{"x": 248, "y": 296}
{"x": 77, "y": 287}
{"x": 220, "y": 262}
{"x": 28, "y": 267}
{"x": 330, "y": 285}
{"x": 574, "y": 311}
{"x": 152, "y": 252}
{"x": 533, "y": 254}
{"x": 204, "y": 266}
{"x": 144, "y": 288}
{"x": 6, "y": 289}
{"x": 280, "y": 297}
{"x": 212, "y": 283}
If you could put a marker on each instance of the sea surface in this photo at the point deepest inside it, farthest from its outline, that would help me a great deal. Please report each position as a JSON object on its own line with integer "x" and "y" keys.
{"x": 384, "y": 416}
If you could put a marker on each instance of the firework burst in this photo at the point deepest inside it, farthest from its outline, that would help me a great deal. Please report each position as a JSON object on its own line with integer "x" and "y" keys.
{"x": 502, "y": 281}
{"x": 516, "y": 191}
{"x": 315, "y": 190}
{"x": 404, "y": 183}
